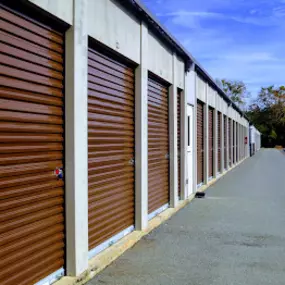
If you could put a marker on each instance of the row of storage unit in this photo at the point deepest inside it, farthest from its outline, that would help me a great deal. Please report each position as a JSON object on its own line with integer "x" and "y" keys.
{"x": 222, "y": 133}
{"x": 105, "y": 121}
{"x": 254, "y": 140}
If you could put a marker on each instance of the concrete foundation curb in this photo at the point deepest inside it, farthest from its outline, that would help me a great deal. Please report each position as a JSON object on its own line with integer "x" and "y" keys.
{"x": 105, "y": 258}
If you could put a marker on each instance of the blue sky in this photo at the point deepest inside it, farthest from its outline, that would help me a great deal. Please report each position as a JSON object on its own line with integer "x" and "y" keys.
{"x": 233, "y": 39}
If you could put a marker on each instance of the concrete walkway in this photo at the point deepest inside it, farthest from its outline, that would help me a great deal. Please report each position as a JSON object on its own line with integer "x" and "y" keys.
{"x": 236, "y": 235}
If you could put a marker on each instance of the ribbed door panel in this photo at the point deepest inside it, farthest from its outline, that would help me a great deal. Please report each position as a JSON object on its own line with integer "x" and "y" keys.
{"x": 179, "y": 141}
{"x": 219, "y": 142}
{"x": 158, "y": 145}
{"x": 211, "y": 142}
{"x": 238, "y": 141}
{"x": 110, "y": 147}
{"x": 230, "y": 141}
{"x": 31, "y": 147}
{"x": 237, "y": 144}
{"x": 225, "y": 142}
{"x": 234, "y": 143}
{"x": 200, "y": 142}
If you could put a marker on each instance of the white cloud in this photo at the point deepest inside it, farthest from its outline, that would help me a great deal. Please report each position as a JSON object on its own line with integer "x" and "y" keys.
{"x": 250, "y": 57}
{"x": 182, "y": 17}
{"x": 234, "y": 39}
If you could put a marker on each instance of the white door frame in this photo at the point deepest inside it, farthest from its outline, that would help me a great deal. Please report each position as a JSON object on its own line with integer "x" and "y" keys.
{"x": 190, "y": 149}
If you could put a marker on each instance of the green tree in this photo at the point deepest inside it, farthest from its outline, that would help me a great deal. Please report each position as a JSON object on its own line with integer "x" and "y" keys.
{"x": 236, "y": 91}
{"x": 268, "y": 113}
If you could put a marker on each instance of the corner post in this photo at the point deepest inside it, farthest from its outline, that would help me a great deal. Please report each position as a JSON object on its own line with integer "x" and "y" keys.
{"x": 76, "y": 138}
{"x": 141, "y": 135}
{"x": 173, "y": 136}
{"x": 206, "y": 138}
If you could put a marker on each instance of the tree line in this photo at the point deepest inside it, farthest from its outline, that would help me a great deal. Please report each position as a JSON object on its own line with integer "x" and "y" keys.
{"x": 266, "y": 111}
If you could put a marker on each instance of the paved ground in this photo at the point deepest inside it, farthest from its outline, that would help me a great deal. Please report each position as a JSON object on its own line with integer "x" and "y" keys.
{"x": 234, "y": 236}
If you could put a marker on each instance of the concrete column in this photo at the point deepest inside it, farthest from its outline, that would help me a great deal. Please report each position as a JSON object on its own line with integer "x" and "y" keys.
{"x": 206, "y": 138}
{"x": 216, "y": 153}
{"x": 222, "y": 144}
{"x": 76, "y": 148}
{"x": 173, "y": 136}
{"x": 141, "y": 135}
{"x": 195, "y": 133}
{"x": 227, "y": 142}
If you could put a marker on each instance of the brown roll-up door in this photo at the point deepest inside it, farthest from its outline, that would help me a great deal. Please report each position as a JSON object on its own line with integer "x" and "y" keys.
{"x": 211, "y": 142}
{"x": 225, "y": 142}
{"x": 32, "y": 147}
{"x": 158, "y": 145}
{"x": 237, "y": 143}
{"x": 244, "y": 145}
{"x": 241, "y": 141}
{"x": 179, "y": 141}
{"x": 230, "y": 141}
{"x": 234, "y": 143}
{"x": 200, "y": 142}
{"x": 219, "y": 142}
{"x": 111, "y": 145}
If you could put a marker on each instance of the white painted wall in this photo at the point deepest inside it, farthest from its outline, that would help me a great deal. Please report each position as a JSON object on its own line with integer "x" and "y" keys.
{"x": 159, "y": 59}
{"x": 212, "y": 97}
{"x": 180, "y": 73}
{"x": 201, "y": 90}
{"x": 63, "y": 9}
{"x": 224, "y": 107}
{"x": 112, "y": 25}
{"x": 219, "y": 102}
{"x": 190, "y": 87}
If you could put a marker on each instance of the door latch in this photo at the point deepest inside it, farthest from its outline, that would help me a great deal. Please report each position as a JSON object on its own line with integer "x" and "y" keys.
{"x": 58, "y": 172}
{"x": 167, "y": 156}
{"x": 132, "y": 161}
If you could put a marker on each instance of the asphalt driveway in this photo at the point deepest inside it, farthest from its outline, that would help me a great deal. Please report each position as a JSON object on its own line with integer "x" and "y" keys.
{"x": 236, "y": 235}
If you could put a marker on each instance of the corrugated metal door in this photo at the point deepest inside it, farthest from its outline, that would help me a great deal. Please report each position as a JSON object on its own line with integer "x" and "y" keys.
{"x": 158, "y": 144}
{"x": 234, "y": 143}
{"x": 211, "y": 142}
{"x": 237, "y": 144}
{"x": 230, "y": 141}
{"x": 31, "y": 148}
{"x": 225, "y": 142}
{"x": 179, "y": 140}
{"x": 240, "y": 144}
{"x": 200, "y": 142}
{"x": 219, "y": 142}
{"x": 111, "y": 145}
